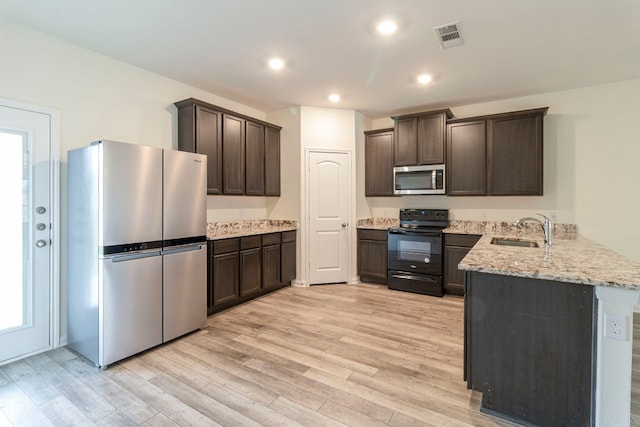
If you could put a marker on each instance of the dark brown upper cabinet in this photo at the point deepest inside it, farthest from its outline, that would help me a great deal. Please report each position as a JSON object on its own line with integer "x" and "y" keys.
{"x": 378, "y": 162}
{"x": 272, "y": 162}
{"x": 243, "y": 153}
{"x": 200, "y": 131}
{"x": 233, "y": 154}
{"x": 420, "y": 138}
{"x": 254, "y": 159}
{"x": 515, "y": 154}
{"x": 496, "y": 155}
{"x": 466, "y": 159}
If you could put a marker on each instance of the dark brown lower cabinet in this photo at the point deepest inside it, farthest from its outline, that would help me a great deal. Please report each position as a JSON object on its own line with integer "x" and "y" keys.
{"x": 250, "y": 266}
{"x": 372, "y": 255}
{"x": 530, "y": 348}
{"x": 244, "y": 268}
{"x": 456, "y": 247}
{"x": 224, "y": 271}
{"x": 288, "y": 257}
{"x": 271, "y": 261}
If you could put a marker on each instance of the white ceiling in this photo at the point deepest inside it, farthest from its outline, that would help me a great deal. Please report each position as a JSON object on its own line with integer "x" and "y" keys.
{"x": 512, "y": 47}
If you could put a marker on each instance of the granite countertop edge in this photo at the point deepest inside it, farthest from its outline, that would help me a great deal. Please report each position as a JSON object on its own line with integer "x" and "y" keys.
{"x": 230, "y": 230}
{"x": 571, "y": 258}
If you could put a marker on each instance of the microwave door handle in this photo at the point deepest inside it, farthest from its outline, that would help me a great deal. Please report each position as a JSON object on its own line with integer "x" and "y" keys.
{"x": 433, "y": 179}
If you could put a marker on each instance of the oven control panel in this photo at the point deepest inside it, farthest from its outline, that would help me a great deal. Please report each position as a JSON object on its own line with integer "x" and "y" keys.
{"x": 424, "y": 214}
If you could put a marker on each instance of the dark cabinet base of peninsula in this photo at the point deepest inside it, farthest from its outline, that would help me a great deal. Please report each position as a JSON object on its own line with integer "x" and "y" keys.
{"x": 530, "y": 348}
{"x": 243, "y": 268}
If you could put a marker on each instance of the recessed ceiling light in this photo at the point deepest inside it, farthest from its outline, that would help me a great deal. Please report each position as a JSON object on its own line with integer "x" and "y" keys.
{"x": 386, "y": 27}
{"x": 276, "y": 64}
{"x": 334, "y": 97}
{"x": 423, "y": 79}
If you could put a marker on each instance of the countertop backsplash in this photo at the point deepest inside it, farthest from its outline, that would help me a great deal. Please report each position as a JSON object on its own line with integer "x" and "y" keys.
{"x": 566, "y": 231}
{"x": 217, "y": 230}
{"x": 377, "y": 223}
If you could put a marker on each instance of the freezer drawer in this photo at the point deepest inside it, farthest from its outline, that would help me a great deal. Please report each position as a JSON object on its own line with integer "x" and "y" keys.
{"x": 131, "y": 305}
{"x": 185, "y": 290}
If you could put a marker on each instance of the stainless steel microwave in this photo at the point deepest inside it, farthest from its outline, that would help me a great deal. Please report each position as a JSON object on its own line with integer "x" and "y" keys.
{"x": 426, "y": 179}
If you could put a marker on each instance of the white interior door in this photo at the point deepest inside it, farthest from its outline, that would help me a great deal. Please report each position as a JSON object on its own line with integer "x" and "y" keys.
{"x": 329, "y": 196}
{"x": 26, "y": 228}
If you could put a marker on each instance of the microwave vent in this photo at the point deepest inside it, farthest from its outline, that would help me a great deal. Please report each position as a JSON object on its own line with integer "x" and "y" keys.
{"x": 449, "y": 35}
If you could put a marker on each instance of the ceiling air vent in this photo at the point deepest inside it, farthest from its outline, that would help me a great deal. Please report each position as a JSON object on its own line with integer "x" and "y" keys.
{"x": 449, "y": 35}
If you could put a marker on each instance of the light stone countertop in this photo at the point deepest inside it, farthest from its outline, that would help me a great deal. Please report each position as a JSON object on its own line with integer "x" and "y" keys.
{"x": 228, "y": 230}
{"x": 575, "y": 259}
{"x": 377, "y": 223}
{"x": 571, "y": 257}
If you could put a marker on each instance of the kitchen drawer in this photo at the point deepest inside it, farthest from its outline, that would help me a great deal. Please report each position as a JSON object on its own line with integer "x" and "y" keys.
{"x": 271, "y": 239}
{"x": 289, "y": 236}
{"x": 250, "y": 242}
{"x": 367, "y": 234}
{"x": 464, "y": 240}
{"x": 225, "y": 245}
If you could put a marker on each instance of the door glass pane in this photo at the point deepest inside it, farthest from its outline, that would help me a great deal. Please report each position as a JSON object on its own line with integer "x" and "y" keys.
{"x": 14, "y": 228}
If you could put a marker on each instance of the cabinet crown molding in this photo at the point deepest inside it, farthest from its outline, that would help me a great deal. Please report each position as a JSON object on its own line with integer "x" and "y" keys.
{"x": 446, "y": 111}
{"x": 522, "y": 113}
{"x": 192, "y": 101}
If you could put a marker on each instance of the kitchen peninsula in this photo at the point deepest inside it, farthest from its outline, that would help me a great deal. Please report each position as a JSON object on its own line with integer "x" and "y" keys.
{"x": 535, "y": 342}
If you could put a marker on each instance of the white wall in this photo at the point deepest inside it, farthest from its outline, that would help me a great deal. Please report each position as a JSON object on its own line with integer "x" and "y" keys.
{"x": 102, "y": 98}
{"x": 591, "y": 152}
{"x": 326, "y": 128}
{"x": 287, "y": 206}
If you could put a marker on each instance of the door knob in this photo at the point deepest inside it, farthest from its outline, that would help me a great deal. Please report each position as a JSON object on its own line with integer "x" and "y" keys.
{"x": 344, "y": 224}
{"x": 41, "y": 210}
{"x": 41, "y": 243}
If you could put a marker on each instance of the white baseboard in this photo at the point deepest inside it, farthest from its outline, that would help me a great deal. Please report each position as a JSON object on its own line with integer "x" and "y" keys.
{"x": 299, "y": 283}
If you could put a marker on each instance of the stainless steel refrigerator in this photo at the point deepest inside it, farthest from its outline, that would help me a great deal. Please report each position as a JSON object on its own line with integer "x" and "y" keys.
{"x": 137, "y": 248}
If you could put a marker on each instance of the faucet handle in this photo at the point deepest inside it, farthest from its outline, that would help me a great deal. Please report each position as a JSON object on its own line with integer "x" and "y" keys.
{"x": 547, "y": 229}
{"x": 546, "y": 218}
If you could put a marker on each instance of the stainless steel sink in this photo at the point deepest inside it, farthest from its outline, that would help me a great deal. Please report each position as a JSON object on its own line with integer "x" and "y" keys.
{"x": 504, "y": 241}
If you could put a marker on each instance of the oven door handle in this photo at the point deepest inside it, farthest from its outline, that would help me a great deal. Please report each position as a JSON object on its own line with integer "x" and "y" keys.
{"x": 415, "y": 232}
{"x": 412, "y": 277}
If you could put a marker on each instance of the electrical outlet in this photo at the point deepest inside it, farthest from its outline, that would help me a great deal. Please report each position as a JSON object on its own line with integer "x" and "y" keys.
{"x": 615, "y": 326}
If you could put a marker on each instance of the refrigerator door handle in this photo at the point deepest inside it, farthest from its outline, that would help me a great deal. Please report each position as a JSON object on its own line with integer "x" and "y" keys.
{"x": 130, "y": 257}
{"x": 181, "y": 249}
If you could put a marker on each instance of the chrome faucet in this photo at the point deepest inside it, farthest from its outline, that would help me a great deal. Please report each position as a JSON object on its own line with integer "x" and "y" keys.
{"x": 546, "y": 226}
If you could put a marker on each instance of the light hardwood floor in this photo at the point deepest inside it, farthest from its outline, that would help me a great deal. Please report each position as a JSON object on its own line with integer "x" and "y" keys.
{"x": 358, "y": 355}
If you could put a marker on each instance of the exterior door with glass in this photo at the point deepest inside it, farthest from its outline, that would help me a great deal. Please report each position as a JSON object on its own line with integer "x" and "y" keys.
{"x": 26, "y": 228}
